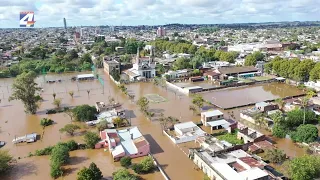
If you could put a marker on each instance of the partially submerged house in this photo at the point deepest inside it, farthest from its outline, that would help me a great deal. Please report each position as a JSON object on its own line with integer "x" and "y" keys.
{"x": 126, "y": 142}
{"x": 108, "y": 116}
{"x": 231, "y": 165}
{"x": 185, "y": 132}
{"x": 101, "y": 106}
{"x": 250, "y": 135}
{"x": 211, "y": 116}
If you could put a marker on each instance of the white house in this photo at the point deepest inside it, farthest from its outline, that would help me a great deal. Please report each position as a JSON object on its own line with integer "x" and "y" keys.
{"x": 185, "y": 132}
{"x": 210, "y": 116}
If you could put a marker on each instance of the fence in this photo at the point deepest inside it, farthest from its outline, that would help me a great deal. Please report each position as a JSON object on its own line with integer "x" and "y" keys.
{"x": 164, "y": 174}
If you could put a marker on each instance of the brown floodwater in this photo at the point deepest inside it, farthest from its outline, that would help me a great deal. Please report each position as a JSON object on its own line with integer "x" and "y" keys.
{"x": 14, "y": 122}
{"x": 172, "y": 158}
{"x": 234, "y": 97}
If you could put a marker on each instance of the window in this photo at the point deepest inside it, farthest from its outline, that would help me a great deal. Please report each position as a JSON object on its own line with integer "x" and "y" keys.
{"x": 140, "y": 152}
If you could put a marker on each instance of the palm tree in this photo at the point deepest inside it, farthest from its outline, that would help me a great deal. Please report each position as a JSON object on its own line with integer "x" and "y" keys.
{"x": 71, "y": 93}
{"x": 260, "y": 120}
{"x": 57, "y": 103}
{"x": 280, "y": 103}
{"x": 88, "y": 91}
{"x": 193, "y": 109}
{"x": 118, "y": 121}
{"x": 54, "y": 95}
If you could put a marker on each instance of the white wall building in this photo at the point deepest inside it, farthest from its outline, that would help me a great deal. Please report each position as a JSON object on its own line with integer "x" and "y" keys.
{"x": 143, "y": 67}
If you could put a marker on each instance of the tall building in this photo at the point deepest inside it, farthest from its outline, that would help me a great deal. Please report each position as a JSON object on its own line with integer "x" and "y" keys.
{"x": 65, "y": 23}
{"x": 161, "y": 32}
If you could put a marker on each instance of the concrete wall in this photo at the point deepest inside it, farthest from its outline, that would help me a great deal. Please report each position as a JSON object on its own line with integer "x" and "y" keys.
{"x": 184, "y": 91}
{"x": 247, "y": 118}
{"x": 205, "y": 168}
{"x": 181, "y": 140}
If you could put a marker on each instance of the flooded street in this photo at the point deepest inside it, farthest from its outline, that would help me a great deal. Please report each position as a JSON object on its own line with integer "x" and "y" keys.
{"x": 14, "y": 122}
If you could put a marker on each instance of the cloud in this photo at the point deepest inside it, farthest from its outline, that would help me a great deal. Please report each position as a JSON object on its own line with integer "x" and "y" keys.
{"x": 133, "y": 12}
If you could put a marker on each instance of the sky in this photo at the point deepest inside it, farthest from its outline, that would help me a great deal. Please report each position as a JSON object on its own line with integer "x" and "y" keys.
{"x": 50, "y": 13}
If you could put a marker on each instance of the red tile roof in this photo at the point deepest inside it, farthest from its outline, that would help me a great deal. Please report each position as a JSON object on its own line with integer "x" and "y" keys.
{"x": 251, "y": 162}
{"x": 264, "y": 144}
{"x": 238, "y": 167}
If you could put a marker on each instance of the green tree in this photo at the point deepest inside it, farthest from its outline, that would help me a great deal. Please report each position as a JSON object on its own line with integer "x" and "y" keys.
{"x": 275, "y": 156}
{"x": 69, "y": 128}
{"x": 54, "y": 96}
{"x": 198, "y": 101}
{"x": 260, "y": 120}
{"x": 296, "y": 118}
{"x": 46, "y": 122}
{"x": 147, "y": 164}
{"x": 24, "y": 89}
{"x": 305, "y": 133}
{"x": 118, "y": 121}
{"x": 84, "y": 113}
{"x": 5, "y": 161}
{"x": 59, "y": 156}
{"x": 91, "y": 139}
{"x": 251, "y": 60}
{"x": 143, "y": 103}
{"x": 123, "y": 174}
{"x": 102, "y": 125}
{"x": 57, "y": 103}
{"x": 304, "y": 168}
{"x": 280, "y": 103}
{"x": 125, "y": 161}
{"x": 279, "y": 131}
{"x": 71, "y": 93}
{"x": 91, "y": 173}
{"x": 86, "y": 58}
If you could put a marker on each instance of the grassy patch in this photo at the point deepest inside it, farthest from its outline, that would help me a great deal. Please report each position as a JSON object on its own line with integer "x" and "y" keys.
{"x": 261, "y": 78}
{"x": 231, "y": 138}
{"x": 245, "y": 80}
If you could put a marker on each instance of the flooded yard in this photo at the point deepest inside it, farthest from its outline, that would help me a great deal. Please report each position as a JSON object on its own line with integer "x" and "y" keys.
{"x": 14, "y": 122}
{"x": 235, "y": 97}
{"x": 172, "y": 158}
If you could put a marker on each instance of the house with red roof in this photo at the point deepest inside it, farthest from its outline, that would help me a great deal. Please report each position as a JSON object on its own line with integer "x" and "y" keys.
{"x": 126, "y": 142}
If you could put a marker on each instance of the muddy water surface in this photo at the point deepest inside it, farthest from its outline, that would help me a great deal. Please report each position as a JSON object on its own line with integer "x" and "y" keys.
{"x": 233, "y": 97}
{"x": 14, "y": 121}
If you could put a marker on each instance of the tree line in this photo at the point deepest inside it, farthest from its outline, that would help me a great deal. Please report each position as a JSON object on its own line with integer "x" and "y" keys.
{"x": 294, "y": 68}
{"x": 60, "y": 61}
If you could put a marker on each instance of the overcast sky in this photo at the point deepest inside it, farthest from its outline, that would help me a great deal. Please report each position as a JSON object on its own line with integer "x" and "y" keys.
{"x": 151, "y": 12}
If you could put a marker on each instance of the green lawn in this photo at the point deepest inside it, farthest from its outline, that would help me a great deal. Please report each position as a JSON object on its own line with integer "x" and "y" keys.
{"x": 245, "y": 80}
{"x": 231, "y": 138}
{"x": 261, "y": 78}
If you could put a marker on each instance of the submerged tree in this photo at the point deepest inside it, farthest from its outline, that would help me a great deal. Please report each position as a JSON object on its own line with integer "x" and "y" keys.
{"x": 24, "y": 89}
{"x": 88, "y": 91}
{"x": 71, "y": 93}
{"x": 143, "y": 103}
{"x": 198, "y": 101}
{"x": 54, "y": 96}
{"x": 57, "y": 103}
{"x": 5, "y": 159}
{"x": 69, "y": 128}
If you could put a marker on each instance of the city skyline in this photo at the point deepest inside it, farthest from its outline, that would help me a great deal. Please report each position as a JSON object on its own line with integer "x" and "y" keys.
{"x": 48, "y": 13}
